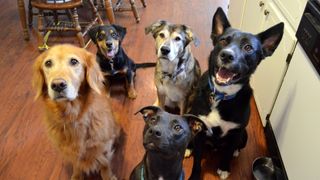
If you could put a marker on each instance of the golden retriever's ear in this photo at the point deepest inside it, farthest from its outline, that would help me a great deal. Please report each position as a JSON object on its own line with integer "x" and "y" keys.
{"x": 94, "y": 75}
{"x": 38, "y": 79}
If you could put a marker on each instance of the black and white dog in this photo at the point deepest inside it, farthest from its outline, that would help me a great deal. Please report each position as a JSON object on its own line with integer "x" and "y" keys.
{"x": 223, "y": 95}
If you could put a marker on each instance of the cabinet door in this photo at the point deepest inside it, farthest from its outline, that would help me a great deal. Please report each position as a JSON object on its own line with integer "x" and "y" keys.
{"x": 295, "y": 118}
{"x": 235, "y": 12}
{"x": 253, "y": 15}
{"x": 268, "y": 77}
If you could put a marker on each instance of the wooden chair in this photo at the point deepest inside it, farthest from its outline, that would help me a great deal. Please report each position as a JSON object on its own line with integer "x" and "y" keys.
{"x": 56, "y": 8}
{"x": 133, "y": 8}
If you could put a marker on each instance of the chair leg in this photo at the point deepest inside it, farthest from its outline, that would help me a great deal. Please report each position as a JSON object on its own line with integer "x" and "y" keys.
{"x": 77, "y": 27}
{"x": 95, "y": 12}
{"x": 144, "y": 3}
{"x": 134, "y": 10}
{"x": 30, "y": 14}
{"x": 40, "y": 32}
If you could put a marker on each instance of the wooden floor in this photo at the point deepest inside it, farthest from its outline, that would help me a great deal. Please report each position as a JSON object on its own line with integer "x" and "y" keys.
{"x": 25, "y": 151}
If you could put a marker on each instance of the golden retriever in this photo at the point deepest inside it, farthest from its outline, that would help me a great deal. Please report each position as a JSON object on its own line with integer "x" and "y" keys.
{"x": 79, "y": 118}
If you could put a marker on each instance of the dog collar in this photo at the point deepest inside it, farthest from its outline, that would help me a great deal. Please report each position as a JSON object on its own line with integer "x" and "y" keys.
{"x": 142, "y": 174}
{"x": 173, "y": 76}
{"x": 216, "y": 95}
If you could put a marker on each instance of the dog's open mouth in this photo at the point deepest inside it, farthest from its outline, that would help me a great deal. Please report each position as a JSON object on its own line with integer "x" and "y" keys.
{"x": 110, "y": 53}
{"x": 225, "y": 76}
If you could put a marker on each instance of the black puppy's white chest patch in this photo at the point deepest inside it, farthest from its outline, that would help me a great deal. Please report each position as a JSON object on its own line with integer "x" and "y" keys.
{"x": 213, "y": 119}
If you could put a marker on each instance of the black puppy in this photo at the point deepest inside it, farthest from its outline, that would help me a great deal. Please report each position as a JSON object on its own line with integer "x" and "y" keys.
{"x": 223, "y": 94}
{"x": 165, "y": 138}
{"x": 112, "y": 58}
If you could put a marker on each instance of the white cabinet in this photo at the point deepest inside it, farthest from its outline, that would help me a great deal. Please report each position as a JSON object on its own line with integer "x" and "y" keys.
{"x": 259, "y": 15}
{"x": 295, "y": 119}
{"x": 268, "y": 77}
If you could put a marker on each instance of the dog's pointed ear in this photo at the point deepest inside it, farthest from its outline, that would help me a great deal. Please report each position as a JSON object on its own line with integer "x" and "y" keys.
{"x": 190, "y": 36}
{"x": 93, "y": 33}
{"x": 149, "y": 111}
{"x": 271, "y": 38}
{"x": 122, "y": 31}
{"x": 195, "y": 123}
{"x": 219, "y": 24}
{"x": 94, "y": 75}
{"x": 155, "y": 27}
{"x": 38, "y": 81}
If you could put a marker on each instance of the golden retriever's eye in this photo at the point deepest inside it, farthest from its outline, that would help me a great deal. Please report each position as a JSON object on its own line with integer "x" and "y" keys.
{"x": 248, "y": 48}
{"x": 177, "y": 38}
{"x": 74, "y": 62}
{"x": 48, "y": 63}
{"x": 162, "y": 35}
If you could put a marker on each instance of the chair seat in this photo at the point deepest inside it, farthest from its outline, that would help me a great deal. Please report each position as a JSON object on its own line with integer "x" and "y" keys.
{"x": 42, "y": 4}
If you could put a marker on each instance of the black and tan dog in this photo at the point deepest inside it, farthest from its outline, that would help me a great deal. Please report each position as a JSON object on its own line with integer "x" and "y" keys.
{"x": 177, "y": 71}
{"x": 165, "y": 138}
{"x": 223, "y": 96}
{"x": 111, "y": 56}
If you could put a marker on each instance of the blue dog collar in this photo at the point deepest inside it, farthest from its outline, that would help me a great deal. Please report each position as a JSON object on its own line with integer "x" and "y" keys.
{"x": 216, "y": 95}
{"x": 142, "y": 174}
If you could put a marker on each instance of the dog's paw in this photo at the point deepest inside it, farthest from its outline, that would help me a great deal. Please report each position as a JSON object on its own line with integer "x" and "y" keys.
{"x": 223, "y": 174}
{"x": 113, "y": 178}
{"x": 236, "y": 153}
{"x": 132, "y": 94}
{"x": 187, "y": 153}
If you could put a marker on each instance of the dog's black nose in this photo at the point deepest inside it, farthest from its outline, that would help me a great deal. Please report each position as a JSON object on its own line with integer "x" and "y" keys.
{"x": 154, "y": 132}
{"x": 58, "y": 85}
{"x": 165, "y": 50}
{"x": 109, "y": 44}
{"x": 227, "y": 55}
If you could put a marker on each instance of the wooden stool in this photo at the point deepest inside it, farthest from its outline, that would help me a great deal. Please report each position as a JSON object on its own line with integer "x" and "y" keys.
{"x": 53, "y": 8}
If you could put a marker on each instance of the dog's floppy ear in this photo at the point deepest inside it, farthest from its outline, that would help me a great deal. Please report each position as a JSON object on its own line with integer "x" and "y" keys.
{"x": 122, "y": 31}
{"x": 190, "y": 36}
{"x": 93, "y": 33}
{"x": 195, "y": 123}
{"x": 155, "y": 27}
{"x": 148, "y": 111}
{"x": 219, "y": 24}
{"x": 271, "y": 38}
{"x": 94, "y": 76}
{"x": 38, "y": 81}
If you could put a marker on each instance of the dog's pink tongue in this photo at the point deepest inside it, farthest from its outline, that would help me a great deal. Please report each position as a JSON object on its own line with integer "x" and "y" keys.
{"x": 110, "y": 53}
{"x": 225, "y": 74}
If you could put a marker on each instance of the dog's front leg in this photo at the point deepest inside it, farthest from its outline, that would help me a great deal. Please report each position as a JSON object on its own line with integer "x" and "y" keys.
{"x": 77, "y": 173}
{"x": 161, "y": 100}
{"x": 130, "y": 85}
{"x": 182, "y": 106}
{"x": 197, "y": 153}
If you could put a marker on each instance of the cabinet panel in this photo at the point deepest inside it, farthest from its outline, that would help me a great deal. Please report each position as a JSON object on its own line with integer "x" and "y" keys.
{"x": 268, "y": 77}
{"x": 235, "y": 12}
{"x": 295, "y": 119}
{"x": 253, "y": 16}
{"x": 292, "y": 10}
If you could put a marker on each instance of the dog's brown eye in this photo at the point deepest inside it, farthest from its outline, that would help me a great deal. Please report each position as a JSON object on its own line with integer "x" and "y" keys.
{"x": 177, "y": 39}
{"x": 48, "y": 63}
{"x": 114, "y": 35}
{"x": 177, "y": 127}
{"x": 161, "y": 35}
{"x": 248, "y": 48}
{"x": 223, "y": 42}
{"x": 74, "y": 62}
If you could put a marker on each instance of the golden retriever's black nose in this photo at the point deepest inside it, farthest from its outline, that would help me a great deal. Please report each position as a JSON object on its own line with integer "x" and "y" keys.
{"x": 58, "y": 85}
{"x": 165, "y": 50}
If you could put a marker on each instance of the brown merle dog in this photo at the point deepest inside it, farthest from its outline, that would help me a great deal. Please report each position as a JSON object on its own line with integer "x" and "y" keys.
{"x": 111, "y": 56}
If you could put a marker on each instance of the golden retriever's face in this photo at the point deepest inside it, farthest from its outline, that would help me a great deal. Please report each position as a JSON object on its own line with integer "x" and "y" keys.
{"x": 61, "y": 71}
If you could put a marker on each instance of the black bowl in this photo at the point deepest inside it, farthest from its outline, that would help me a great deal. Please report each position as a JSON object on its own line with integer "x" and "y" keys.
{"x": 263, "y": 168}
